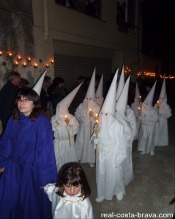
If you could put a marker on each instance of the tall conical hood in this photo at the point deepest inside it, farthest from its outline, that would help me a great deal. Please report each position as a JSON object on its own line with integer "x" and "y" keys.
{"x": 149, "y": 98}
{"x": 110, "y": 100}
{"x": 69, "y": 98}
{"x": 99, "y": 91}
{"x": 163, "y": 90}
{"x": 38, "y": 85}
{"x": 120, "y": 84}
{"x": 123, "y": 99}
{"x": 91, "y": 89}
{"x": 137, "y": 92}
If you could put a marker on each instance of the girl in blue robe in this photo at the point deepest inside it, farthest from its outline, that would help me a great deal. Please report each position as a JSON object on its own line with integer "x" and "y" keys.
{"x": 27, "y": 160}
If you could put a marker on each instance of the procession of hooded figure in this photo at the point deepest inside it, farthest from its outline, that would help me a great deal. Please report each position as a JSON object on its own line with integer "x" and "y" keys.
{"x": 164, "y": 112}
{"x": 149, "y": 118}
{"x": 65, "y": 126}
{"x": 104, "y": 130}
{"x": 136, "y": 107}
{"x": 85, "y": 114}
{"x": 126, "y": 116}
{"x": 110, "y": 152}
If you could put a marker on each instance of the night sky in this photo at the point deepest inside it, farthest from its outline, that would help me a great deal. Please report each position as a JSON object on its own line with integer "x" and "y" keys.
{"x": 158, "y": 37}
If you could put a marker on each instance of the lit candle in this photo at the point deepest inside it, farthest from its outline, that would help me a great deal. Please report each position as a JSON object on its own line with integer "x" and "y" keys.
{"x": 1, "y": 53}
{"x": 139, "y": 110}
{"x": 47, "y": 65}
{"x": 140, "y": 98}
{"x": 96, "y": 133}
{"x": 90, "y": 112}
{"x": 51, "y": 61}
{"x": 158, "y": 104}
{"x": 66, "y": 119}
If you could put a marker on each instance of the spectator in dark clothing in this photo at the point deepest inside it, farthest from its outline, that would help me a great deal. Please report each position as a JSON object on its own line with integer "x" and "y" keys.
{"x": 24, "y": 82}
{"x": 7, "y": 96}
{"x": 44, "y": 96}
{"x": 57, "y": 92}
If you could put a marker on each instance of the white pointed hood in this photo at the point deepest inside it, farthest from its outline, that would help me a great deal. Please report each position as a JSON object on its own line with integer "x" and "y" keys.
{"x": 163, "y": 94}
{"x": 99, "y": 91}
{"x": 110, "y": 100}
{"x": 66, "y": 101}
{"x": 123, "y": 99}
{"x": 149, "y": 98}
{"x": 120, "y": 84}
{"x": 137, "y": 92}
{"x": 38, "y": 85}
{"x": 91, "y": 89}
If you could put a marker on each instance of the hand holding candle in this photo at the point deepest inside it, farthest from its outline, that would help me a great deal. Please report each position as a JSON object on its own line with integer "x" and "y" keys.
{"x": 139, "y": 110}
{"x": 66, "y": 119}
{"x": 139, "y": 98}
{"x": 90, "y": 112}
{"x": 96, "y": 133}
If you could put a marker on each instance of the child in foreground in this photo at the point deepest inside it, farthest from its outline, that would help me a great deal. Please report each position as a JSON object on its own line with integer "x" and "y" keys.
{"x": 69, "y": 196}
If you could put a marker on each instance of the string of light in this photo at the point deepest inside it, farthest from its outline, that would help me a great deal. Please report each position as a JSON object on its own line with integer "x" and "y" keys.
{"x": 24, "y": 61}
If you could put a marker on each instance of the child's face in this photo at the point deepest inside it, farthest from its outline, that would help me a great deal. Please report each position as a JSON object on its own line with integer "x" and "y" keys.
{"x": 72, "y": 190}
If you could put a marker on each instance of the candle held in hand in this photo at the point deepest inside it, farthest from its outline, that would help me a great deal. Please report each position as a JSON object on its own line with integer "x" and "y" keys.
{"x": 66, "y": 119}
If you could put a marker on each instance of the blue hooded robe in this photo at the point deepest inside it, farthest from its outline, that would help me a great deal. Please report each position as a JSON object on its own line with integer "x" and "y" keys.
{"x": 27, "y": 154}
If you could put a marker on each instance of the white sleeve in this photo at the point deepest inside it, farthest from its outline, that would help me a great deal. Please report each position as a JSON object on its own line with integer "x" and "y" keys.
{"x": 87, "y": 211}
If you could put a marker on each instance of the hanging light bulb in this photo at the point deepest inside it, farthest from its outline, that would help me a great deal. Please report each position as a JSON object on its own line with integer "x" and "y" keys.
{"x": 51, "y": 61}
{"x": 19, "y": 57}
{"x": 28, "y": 58}
{"x": 47, "y": 65}
{"x": 35, "y": 65}
{"x": 24, "y": 64}
{"x": 9, "y": 54}
{"x": 1, "y": 53}
{"x": 16, "y": 63}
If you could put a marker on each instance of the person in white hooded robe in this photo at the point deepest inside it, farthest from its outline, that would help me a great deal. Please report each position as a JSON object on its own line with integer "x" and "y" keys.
{"x": 136, "y": 107}
{"x": 126, "y": 116}
{"x": 65, "y": 126}
{"x": 149, "y": 117}
{"x": 164, "y": 112}
{"x": 110, "y": 151}
{"x": 85, "y": 114}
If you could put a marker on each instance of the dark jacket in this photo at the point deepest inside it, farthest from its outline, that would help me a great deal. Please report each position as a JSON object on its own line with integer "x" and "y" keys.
{"x": 7, "y": 97}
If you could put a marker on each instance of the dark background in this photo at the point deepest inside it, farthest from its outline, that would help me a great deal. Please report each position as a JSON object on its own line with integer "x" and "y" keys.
{"x": 158, "y": 32}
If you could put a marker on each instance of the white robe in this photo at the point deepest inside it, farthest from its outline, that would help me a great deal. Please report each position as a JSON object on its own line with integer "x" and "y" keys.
{"x": 83, "y": 146}
{"x": 146, "y": 141}
{"x": 69, "y": 206}
{"x": 109, "y": 157}
{"x": 127, "y": 141}
{"x": 164, "y": 112}
{"x": 134, "y": 107}
{"x": 64, "y": 139}
{"x": 128, "y": 164}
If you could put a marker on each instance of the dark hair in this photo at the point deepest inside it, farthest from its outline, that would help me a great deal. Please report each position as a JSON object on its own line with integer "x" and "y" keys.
{"x": 73, "y": 174}
{"x": 24, "y": 82}
{"x": 30, "y": 94}
{"x": 13, "y": 75}
{"x": 47, "y": 78}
